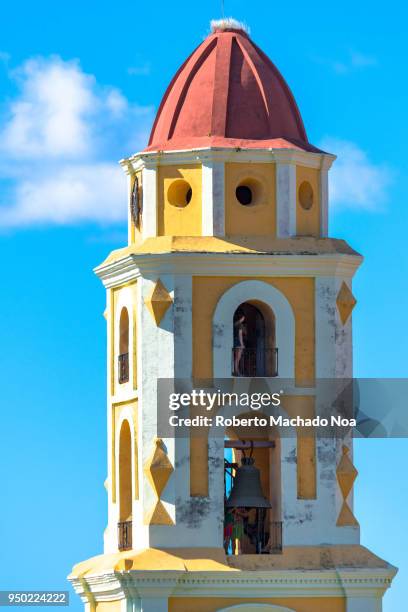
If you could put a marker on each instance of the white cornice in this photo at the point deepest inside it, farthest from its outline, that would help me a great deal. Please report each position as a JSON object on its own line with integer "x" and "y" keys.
{"x": 199, "y": 155}
{"x": 127, "y": 166}
{"x": 226, "y": 264}
{"x": 114, "y": 585}
{"x": 118, "y": 272}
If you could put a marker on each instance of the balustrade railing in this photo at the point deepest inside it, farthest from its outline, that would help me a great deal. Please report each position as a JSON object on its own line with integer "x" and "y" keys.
{"x": 249, "y": 362}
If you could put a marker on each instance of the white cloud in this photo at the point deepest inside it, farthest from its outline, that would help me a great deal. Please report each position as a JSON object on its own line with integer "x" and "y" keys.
{"x": 59, "y": 142}
{"x": 353, "y": 61}
{"x": 360, "y": 60}
{"x": 117, "y": 103}
{"x": 49, "y": 118}
{"x": 71, "y": 194}
{"x": 142, "y": 69}
{"x": 355, "y": 181}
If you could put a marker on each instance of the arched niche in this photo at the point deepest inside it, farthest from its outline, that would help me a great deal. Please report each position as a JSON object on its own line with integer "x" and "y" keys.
{"x": 123, "y": 354}
{"x": 274, "y": 307}
{"x": 125, "y": 472}
{"x": 255, "y": 607}
{"x": 254, "y": 340}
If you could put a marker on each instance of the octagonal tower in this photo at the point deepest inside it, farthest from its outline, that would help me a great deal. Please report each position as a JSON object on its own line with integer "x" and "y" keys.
{"x": 228, "y": 209}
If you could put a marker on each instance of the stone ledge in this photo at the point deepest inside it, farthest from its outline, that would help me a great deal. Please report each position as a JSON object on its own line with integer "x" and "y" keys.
{"x": 302, "y": 245}
{"x": 293, "y": 558}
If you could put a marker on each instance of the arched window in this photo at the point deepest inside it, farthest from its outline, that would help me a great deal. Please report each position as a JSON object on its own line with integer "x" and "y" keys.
{"x": 255, "y": 607}
{"x": 254, "y": 352}
{"x": 125, "y": 488}
{"x": 123, "y": 358}
{"x": 252, "y": 476}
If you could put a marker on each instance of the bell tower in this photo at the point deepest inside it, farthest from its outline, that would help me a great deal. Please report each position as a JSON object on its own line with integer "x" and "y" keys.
{"x": 229, "y": 273}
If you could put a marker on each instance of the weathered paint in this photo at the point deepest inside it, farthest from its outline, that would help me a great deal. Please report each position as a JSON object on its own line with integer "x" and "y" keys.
{"x": 285, "y": 200}
{"x": 305, "y": 445}
{"x": 302, "y": 246}
{"x": 211, "y": 247}
{"x": 298, "y": 291}
{"x": 209, "y": 100}
{"x": 213, "y": 221}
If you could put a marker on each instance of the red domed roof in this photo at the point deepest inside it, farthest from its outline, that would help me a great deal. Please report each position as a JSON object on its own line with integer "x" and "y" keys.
{"x": 228, "y": 94}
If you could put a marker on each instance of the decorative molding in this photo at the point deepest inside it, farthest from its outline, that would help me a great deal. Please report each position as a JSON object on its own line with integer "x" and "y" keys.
{"x": 346, "y": 475}
{"x": 113, "y": 585}
{"x": 158, "y": 470}
{"x": 153, "y": 159}
{"x": 345, "y": 302}
{"x": 159, "y": 516}
{"x": 131, "y": 267}
{"x": 158, "y": 301}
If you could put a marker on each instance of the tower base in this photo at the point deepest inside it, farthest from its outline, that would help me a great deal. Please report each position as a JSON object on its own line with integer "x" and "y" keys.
{"x": 301, "y": 579}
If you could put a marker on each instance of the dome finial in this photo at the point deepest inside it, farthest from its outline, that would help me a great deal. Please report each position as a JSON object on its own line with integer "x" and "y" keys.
{"x": 228, "y": 23}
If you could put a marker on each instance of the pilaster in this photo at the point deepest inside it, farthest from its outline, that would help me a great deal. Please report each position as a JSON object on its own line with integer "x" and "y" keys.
{"x": 150, "y": 202}
{"x": 213, "y": 198}
{"x": 285, "y": 199}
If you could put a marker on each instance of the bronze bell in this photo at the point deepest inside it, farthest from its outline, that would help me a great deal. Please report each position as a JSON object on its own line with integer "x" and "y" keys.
{"x": 247, "y": 491}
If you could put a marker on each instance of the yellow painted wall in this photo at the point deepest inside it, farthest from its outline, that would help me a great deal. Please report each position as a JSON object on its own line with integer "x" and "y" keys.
{"x": 258, "y": 218}
{"x": 304, "y": 406}
{"x": 174, "y": 220}
{"x": 300, "y": 293}
{"x": 111, "y": 334}
{"x": 116, "y": 417}
{"x": 133, "y": 374}
{"x": 115, "y": 304}
{"x": 308, "y": 221}
{"x": 125, "y": 471}
{"x": 213, "y": 604}
{"x": 109, "y": 606}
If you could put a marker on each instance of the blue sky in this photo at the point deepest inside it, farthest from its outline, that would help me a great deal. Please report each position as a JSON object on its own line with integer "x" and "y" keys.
{"x": 79, "y": 85}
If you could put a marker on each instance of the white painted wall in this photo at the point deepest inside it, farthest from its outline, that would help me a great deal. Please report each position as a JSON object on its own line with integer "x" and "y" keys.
{"x": 286, "y": 199}
{"x": 213, "y": 198}
{"x": 150, "y": 201}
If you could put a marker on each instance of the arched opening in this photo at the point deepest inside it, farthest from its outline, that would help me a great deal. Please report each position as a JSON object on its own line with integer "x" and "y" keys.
{"x": 255, "y": 607}
{"x": 123, "y": 358}
{"x": 125, "y": 488}
{"x": 254, "y": 352}
{"x": 252, "y": 516}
